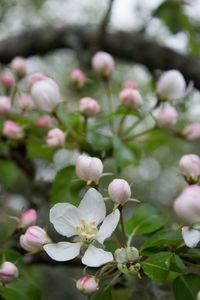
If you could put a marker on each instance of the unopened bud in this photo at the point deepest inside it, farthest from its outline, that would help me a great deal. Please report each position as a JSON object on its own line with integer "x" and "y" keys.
{"x": 89, "y": 168}
{"x": 7, "y": 79}
{"x": 167, "y": 117}
{"x": 12, "y": 130}
{"x": 26, "y": 102}
{"x": 5, "y": 105}
{"x": 87, "y": 285}
{"x": 19, "y": 66}
{"x": 77, "y": 77}
{"x": 44, "y": 121}
{"x": 125, "y": 255}
{"x": 28, "y": 218}
{"x": 8, "y": 272}
{"x": 189, "y": 166}
{"x": 119, "y": 191}
{"x": 130, "y": 98}
{"x": 55, "y": 138}
{"x": 129, "y": 269}
{"x": 103, "y": 63}
{"x": 34, "y": 239}
{"x": 171, "y": 85}
{"x": 130, "y": 84}
{"x": 88, "y": 107}
{"x": 32, "y": 78}
{"x": 192, "y": 131}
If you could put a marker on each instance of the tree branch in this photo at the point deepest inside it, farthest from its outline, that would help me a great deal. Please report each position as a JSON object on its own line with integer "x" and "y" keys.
{"x": 125, "y": 45}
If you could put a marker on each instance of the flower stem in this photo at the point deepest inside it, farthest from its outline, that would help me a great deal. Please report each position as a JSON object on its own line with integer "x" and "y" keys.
{"x": 115, "y": 238}
{"x": 9, "y": 237}
{"x": 121, "y": 125}
{"x": 109, "y": 97}
{"x": 128, "y": 139}
{"x": 122, "y": 226}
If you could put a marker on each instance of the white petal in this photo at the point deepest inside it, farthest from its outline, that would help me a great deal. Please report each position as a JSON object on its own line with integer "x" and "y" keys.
{"x": 95, "y": 257}
{"x": 63, "y": 251}
{"x": 191, "y": 236}
{"x": 92, "y": 207}
{"x": 108, "y": 226}
{"x": 65, "y": 217}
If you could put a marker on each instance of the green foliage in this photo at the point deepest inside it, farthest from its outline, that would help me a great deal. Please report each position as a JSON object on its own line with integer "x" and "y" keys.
{"x": 99, "y": 142}
{"x": 123, "y": 155}
{"x": 186, "y": 287}
{"x": 163, "y": 237}
{"x": 103, "y": 294}
{"x": 9, "y": 172}
{"x": 39, "y": 149}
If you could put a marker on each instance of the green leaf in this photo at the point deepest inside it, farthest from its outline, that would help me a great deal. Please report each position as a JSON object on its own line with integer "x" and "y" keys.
{"x": 99, "y": 142}
{"x": 145, "y": 219}
{"x": 177, "y": 265}
{"x": 123, "y": 155}
{"x": 9, "y": 172}
{"x": 156, "y": 266}
{"x": 65, "y": 189}
{"x": 186, "y": 287}
{"x": 162, "y": 237}
{"x": 74, "y": 120}
{"x": 103, "y": 294}
{"x": 39, "y": 150}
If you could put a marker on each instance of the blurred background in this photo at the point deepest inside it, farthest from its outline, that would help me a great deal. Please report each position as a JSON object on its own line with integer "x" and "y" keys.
{"x": 145, "y": 37}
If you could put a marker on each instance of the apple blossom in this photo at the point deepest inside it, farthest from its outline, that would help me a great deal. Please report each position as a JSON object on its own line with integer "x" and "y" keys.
{"x": 8, "y": 272}
{"x": 192, "y": 131}
{"x": 119, "y": 191}
{"x": 5, "y": 105}
{"x": 167, "y": 117}
{"x": 55, "y": 138}
{"x": 12, "y": 130}
{"x": 187, "y": 205}
{"x": 46, "y": 94}
{"x": 7, "y": 79}
{"x": 44, "y": 121}
{"x": 130, "y": 84}
{"x": 34, "y": 239}
{"x": 19, "y": 66}
{"x": 26, "y": 102}
{"x": 88, "y": 106}
{"x": 28, "y": 218}
{"x": 87, "y": 285}
{"x": 77, "y": 77}
{"x": 189, "y": 166}
{"x": 103, "y": 63}
{"x": 191, "y": 235}
{"x": 130, "y": 98}
{"x": 81, "y": 223}
{"x": 89, "y": 168}
{"x": 171, "y": 85}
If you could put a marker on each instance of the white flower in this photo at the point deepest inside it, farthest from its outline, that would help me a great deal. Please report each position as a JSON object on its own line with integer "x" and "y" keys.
{"x": 191, "y": 235}
{"x": 81, "y": 223}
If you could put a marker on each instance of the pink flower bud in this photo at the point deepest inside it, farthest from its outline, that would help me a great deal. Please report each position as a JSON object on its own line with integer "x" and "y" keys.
{"x": 130, "y": 98}
{"x": 28, "y": 218}
{"x": 7, "y": 79}
{"x": 34, "y": 239}
{"x": 89, "y": 168}
{"x": 103, "y": 63}
{"x": 87, "y": 285}
{"x": 5, "y": 105}
{"x": 12, "y": 130}
{"x": 26, "y": 102}
{"x": 189, "y": 166}
{"x": 167, "y": 117}
{"x": 8, "y": 272}
{"x": 19, "y": 66}
{"x": 192, "y": 131}
{"x": 131, "y": 84}
{"x": 55, "y": 138}
{"x": 32, "y": 78}
{"x": 119, "y": 191}
{"x": 187, "y": 205}
{"x": 77, "y": 77}
{"x": 171, "y": 85}
{"x": 88, "y": 107}
{"x": 44, "y": 121}
{"x": 46, "y": 94}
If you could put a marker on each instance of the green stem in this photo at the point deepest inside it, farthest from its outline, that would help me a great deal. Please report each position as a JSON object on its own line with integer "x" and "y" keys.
{"x": 85, "y": 125}
{"x": 121, "y": 125}
{"x": 128, "y": 139}
{"x": 9, "y": 238}
{"x": 116, "y": 240}
{"x": 122, "y": 226}
{"x": 13, "y": 93}
{"x": 110, "y": 103}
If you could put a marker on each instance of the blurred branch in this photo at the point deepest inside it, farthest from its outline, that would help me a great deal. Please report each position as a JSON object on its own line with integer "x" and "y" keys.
{"x": 105, "y": 21}
{"x": 125, "y": 45}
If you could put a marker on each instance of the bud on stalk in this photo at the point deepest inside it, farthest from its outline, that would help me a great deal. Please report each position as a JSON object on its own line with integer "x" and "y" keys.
{"x": 189, "y": 166}
{"x": 28, "y": 218}
{"x": 8, "y": 272}
{"x": 88, "y": 107}
{"x": 5, "y": 105}
{"x": 130, "y": 98}
{"x": 55, "y": 138}
{"x": 7, "y": 79}
{"x": 44, "y": 121}
{"x": 103, "y": 64}
{"x": 119, "y": 191}
{"x": 77, "y": 78}
{"x": 192, "y": 132}
{"x": 12, "y": 130}
{"x": 89, "y": 168}
{"x": 167, "y": 117}
{"x": 19, "y": 66}
{"x": 130, "y": 84}
{"x": 87, "y": 285}
{"x": 34, "y": 239}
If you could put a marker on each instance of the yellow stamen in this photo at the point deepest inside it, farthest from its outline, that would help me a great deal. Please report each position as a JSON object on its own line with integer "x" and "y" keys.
{"x": 83, "y": 221}
{"x": 93, "y": 222}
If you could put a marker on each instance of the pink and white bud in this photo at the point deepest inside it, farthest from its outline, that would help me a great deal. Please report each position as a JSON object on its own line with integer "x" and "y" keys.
{"x": 46, "y": 94}
{"x": 5, "y": 105}
{"x": 167, "y": 117}
{"x": 187, "y": 205}
{"x": 89, "y": 168}
{"x": 87, "y": 285}
{"x": 119, "y": 191}
{"x": 130, "y": 98}
{"x": 12, "y": 130}
{"x": 55, "y": 138}
{"x": 77, "y": 77}
{"x": 192, "y": 131}
{"x": 7, "y": 79}
{"x": 189, "y": 166}
{"x": 198, "y": 296}
{"x": 44, "y": 121}
{"x": 26, "y": 102}
{"x": 8, "y": 272}
{"x": 130, "y": 84}
{"x": 28, "y": 218}
{"x": 103, "y": 63}
{"x": 19, "y": 66}
{"x": 34, "y": 239}
{"x": 171, "y": 85}
{"x": 32, "y": 78}
{"x": 89, "y": 107}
